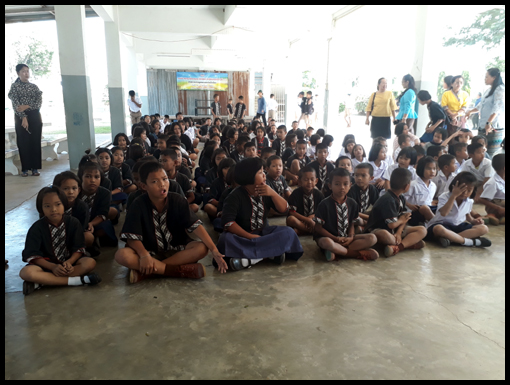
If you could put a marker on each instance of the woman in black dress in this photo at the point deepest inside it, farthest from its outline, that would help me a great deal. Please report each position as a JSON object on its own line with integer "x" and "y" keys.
{"x": 26, "y": 101}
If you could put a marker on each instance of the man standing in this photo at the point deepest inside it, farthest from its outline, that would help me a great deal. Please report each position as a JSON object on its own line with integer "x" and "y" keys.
{"x": 272, "y": 107}
{"x": 215, "y": 106}
{"x": 135, "y": 107}
{"x": 261, "y": 109}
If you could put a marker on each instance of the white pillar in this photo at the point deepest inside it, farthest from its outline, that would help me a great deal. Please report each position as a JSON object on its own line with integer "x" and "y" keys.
{"x": 70, "y": 21}
{"x": 115, "y": 90}
{"x": 252, "y": 109}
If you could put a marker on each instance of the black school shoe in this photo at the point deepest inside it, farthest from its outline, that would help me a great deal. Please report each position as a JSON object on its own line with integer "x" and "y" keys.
{"x": 29, "y": 287}
{"x": 278, "y": 260}
{"x": 95, "y": 249}
{"x": 485, "y": 242}
{"x": 93, "y": 277}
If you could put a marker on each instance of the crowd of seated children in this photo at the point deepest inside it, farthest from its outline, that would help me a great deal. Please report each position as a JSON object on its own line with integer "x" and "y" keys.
{"x": 406, "y": 159}
{"x": 218, "y": 186}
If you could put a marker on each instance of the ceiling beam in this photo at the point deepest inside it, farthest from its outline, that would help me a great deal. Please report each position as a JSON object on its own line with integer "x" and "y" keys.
{"x": 105, "y": 12}
{"x": 344, "y": 12}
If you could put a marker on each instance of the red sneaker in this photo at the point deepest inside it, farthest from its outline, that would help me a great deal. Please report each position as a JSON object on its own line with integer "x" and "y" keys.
{"x": 391, "y": 250}
{"x": 368, "y": 255}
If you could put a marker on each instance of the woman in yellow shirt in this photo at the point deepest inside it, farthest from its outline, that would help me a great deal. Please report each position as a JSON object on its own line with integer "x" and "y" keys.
{"x": 454, "y": 102}
{"x": 381, "y": 105}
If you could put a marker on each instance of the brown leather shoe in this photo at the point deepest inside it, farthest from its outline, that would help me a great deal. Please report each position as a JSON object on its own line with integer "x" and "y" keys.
{"x": 417, "y": 245}
{"x": 191, "y": 270}
{"x": 135, "y": 276}
{"x": 368, "y": 255}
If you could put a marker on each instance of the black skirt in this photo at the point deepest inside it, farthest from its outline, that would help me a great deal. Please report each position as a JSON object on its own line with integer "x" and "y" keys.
{"x": 380, "y": 126}
{"x": 29, "y": 145}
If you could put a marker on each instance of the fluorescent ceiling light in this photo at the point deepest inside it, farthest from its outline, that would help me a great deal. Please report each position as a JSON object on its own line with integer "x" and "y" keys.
{"x": 173, "y": 55}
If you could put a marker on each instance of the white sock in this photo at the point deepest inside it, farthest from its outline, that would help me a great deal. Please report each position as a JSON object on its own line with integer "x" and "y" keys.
{"x": 74, "y": 281}
{"x": 467, "y": 242}
{"x": 245, "y": 262}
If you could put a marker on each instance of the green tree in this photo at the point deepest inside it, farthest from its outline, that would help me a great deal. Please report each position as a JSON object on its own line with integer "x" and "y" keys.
{"x": 467, "y": 82}
{"x": 440, "y": 88}
{"x": 498, "y": 63}
{"x": 309, "y": 82}
{"x": 34, "y": 54}
{"x": 488, "y": 29}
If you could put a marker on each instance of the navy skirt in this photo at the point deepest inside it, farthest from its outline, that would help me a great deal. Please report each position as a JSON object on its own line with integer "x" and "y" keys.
{"x": 274, "y": 241}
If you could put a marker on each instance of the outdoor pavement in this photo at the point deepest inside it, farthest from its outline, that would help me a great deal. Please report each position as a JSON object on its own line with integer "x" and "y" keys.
{"x": 423, "y": 314}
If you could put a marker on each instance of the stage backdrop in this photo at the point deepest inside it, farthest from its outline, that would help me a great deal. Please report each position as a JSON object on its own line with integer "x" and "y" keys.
{"x": 187, "y": 81}
{"x": 164, "y": 98}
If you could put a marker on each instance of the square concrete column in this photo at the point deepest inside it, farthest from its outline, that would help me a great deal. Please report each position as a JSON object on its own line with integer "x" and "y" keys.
{"x": 116, "y": 94}
{"x": 70, "y": 21}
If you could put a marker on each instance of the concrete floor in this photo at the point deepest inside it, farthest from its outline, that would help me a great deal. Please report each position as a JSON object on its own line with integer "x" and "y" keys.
{"x": 423, "y": 314}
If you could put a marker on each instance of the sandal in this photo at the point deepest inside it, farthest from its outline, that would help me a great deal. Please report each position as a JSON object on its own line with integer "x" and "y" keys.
{"x": 35, "y": 172}
{"x": 24, "y": 173}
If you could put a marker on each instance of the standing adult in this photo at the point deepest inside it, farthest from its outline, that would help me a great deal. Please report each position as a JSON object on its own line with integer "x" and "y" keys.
{"x": 381, "y": 105}
{"x": 262, "y": 107}
{"x": 454, "y": 102}
{"x": 272, "y": 107}
{"x": 491, "y": 107}
{"x": 407, "y": 112}
{"x": 135, "y": 108}
{"x": 26, "y": 101}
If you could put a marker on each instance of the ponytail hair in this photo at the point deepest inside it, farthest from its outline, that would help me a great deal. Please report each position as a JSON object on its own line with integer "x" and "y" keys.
{"x": 408, "y": 78}
{"x": 495, "y": 73}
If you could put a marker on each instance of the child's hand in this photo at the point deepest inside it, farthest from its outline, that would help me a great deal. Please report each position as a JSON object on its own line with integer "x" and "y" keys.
{"x": 405, "y": 217}
{"x": 477, "y": 221}
{"x": 264, "y": 190}
{"x": 458, "y": 190}
{"x": 69, "y": 267}
{"x": 90, "y": 228}
{"x": 398, "y": 239}
{"x": 345, "y": 241}
{"x": 59, "y": 271}
{"x": 412, "y": 207}
{"x": 147, "y": 265}
{"x": 218, "y": 257}
{"x": 379, "y": 183}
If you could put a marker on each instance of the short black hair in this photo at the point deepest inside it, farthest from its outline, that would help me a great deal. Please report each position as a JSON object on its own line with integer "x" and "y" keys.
{"x": 249, "y": 144}
{"x": 374, "y": 152}
{"x": 464, "y": 177}
{"x": 135, "y": 151}
{"x": 218, "y": 151}
{"x": 246, "y": 170}
{"x": 473, "y": 147}
{"x": 261, "y": 128}
{"x": 289, "y": 138}
{"x": 476, "y": 138}
{"x": 179, "y": 113}
{"x": 138, "y": 164}
{"x": 90, "y": 165}
{"x": 137, "y": 132}
{"x": 300, "y": 134}
{"x": 328, "y": 139}
{"x": 363, "y": 148}
{"x": 260, "y": 92}
{"x": 48, "y": 190}
{"x": 459, "y": 146}
{"x": 420, "y": 167}
{"x": 170, "y": 152}
{"x": 314, "y": 138}
{"x": 101, "y": 150}
{"x": 409, "y": 153}
{"x": 379, "y": 139}
{"x": 146, "y": 168}
{"x": 419, "y": 150}
{"x": 65, "y": 175}
{"x": 498, "y": 162}
{"x": 131, "y": 93}
{"x": 114, "y": 149}
{"x": 444, "y": 160}
{"x": 282, "y": 127}
{"x": 366, "y": 166}
{"x": 349, "y": 141}
{"x": 242, "y": 139}
{"x": 229, "y": 179}
{"x": 400, "y": 178}
{"x": 164, "y": 137}
{"x": 435, "y": 150}
{"x": 337, "y": 162}
{"x": 267, "y": 150}
{"x": 310, "y": 129}
{"x": 342, "y": 172}
{"x": 402, "y": 138}
{"x": 270, "y": 160}
{"x": 444, "y": 133}
{"x": 309, "y": 92}
{"x": 116, "y": 139}
{"x": 346, "y": 138}
{"x": 399, "y": 128}
{"x": 321, "y": 132}
{"x": 424, "y": 95}
{"x": 225, "y": 163}
{"x": 306, "y": 169}
{"x": 321, "y": 146}
{"x": 231, "y": 132}
{"x": 301, "y": 141}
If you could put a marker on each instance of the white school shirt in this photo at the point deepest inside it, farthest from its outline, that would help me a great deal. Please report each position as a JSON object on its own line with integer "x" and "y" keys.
{"x": 484, "y": 170}
{"x": 395, "y": 154}
{"x": 457, "y": 214}
{"x": 442, "y": 183}
{"x": 419, "y": 193}
{"x": 390, "y": 169}
{"x": 343, "y": 153}
{"x": 378, "y": 171}
{"x": 132, "y": 106}
{"x": 272, "y": 104}
{"x": 459, "y": 165}
{"x": 355, "y": 162}
{"x": 494, "y": 188}
{"x": 190, "y": 132}
{"x": 310, "y": 151}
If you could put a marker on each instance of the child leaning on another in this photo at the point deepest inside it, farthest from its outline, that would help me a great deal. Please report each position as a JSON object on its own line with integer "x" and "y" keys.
{"x": 493, "y": 195}
{"x": 334, "y": 218}
{"x": 55, "y": 247}
{"x": 421, "y": 193}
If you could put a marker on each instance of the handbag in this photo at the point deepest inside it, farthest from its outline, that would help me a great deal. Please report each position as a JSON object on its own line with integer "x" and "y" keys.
{"x": 373, "y": 102}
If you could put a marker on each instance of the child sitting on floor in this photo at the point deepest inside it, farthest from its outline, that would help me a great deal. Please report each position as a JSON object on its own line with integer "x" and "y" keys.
{"x": 105, "y": 159}
{"x": 436, "y": 151}
{"x": 260, "y": 140}
{"x": 266, "y": 153}
{"x": 453, "y": 221}
{"x": 217, "y": 187}
{"x": 493, "y": 195}
{"x": 275, "y": 179}
{"x": 347, "y": 138}
{"x": 406, "y": 159}
{"x": 250, "y": 150}
{"x": 358, "y": 155}
{"x": 297, "y": 161}
{"x": 125, "y": 170}
{"x": 167, "y": 160}
{"x": 238, "y": 153}
{"x": 55, "y": 247}
{"x": 247, "y": 238}
{"x": 314, "y": 141}
{"x": 230, "y": 144}
{"x": 156, "y": 233}
{"x": 479, "y": 166}
{"x": 421, "y": 193}
{"x": 279, "y": 143}
{"x": 402, "y": 128}
{"x": 231, "y": 185}
{"x": 439, "y": 137}
{"x": 121, "y": 140}
{"x": 290, "y": 147}
{"x": 461, "y": 154}
{"x": 321, "y": 165}
{"x": 328, "y": 141}
{"x": 347, "y": 149}
{"x": 388, "y": 219}
{"x": 303, "y": 202}
{"x": 334, "y": 223}
{"x": 404, "y": 141}
{"x": 70, "y": 184}
{"x": 377, "y": 159}
{"x": 447, "y": 171}
{"x": 363, "y": 193}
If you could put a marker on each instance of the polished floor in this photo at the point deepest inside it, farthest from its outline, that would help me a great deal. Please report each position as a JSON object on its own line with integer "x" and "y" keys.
{"x": 423, "y": 314}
